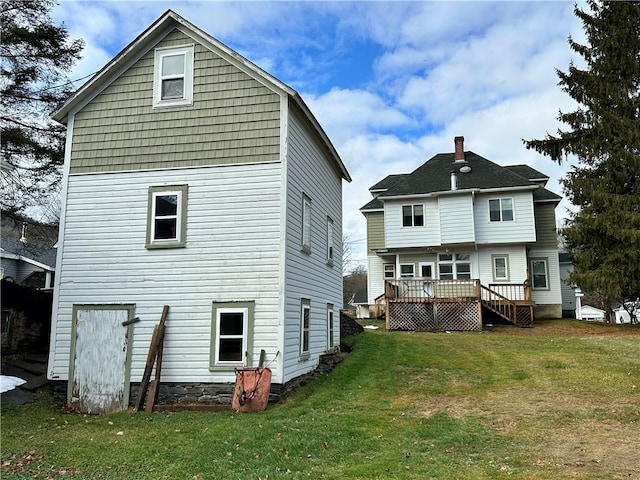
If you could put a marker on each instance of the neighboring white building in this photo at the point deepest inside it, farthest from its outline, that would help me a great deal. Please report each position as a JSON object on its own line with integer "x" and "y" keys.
{"x": 592, "y": 314}
{"x": 193, "y": 179}
{"x": 461, "y": 216}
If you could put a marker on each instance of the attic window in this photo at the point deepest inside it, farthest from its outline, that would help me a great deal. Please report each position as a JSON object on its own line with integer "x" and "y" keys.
{"x": 173, "y": 76}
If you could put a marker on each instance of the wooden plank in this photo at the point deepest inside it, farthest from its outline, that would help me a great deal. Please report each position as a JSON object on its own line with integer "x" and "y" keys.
{"x": 152, "y": 396}
{"x": 156, "y": 340}
{"x": 151, "y": 357}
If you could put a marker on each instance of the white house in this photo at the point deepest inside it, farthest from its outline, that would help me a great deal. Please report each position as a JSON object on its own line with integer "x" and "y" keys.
{"x": 462, "y": 218}
{"x": 592, "y": 314}
{"x": 193, "y": 179}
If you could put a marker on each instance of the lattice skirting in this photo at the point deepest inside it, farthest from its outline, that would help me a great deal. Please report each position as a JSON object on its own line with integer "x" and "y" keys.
{"x": 441, "y": 316}
{"x": 411, "y": 316}
{"x": 524, "y": 315}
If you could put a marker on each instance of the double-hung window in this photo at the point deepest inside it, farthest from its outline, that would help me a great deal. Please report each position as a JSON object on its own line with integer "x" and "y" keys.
{"x": 539, "y": 274}
{"x": 413, "y": 215}
{"x": 407, "y": 270}
{"x": 166, "y": 217}
{"x": 306, "y": 224}
{"x": 330, "y": 246}
{"x": 231, "y": 339}
{"x": 501, "y": 210}
{"x": 173, "y": 76}
{"x": 305, "y": 325}
{"x": 500, "y": 267}
{"x": 454, "y": 266}
{"x": 389, "y": 271}
{"x": 330, "y": 328}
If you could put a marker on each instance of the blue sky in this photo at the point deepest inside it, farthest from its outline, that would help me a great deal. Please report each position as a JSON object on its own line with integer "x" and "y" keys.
{"x": 391, "y": 82}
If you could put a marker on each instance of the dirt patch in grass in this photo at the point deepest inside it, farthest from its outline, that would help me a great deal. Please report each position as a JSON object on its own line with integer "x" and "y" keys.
{"x": 560, "y": 430}
{"x": 582, "y": 435}
{"x": 569, "y": 327}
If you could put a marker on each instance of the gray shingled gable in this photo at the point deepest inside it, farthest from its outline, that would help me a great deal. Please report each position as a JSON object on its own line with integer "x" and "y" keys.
{"x": 387, "y": 182}
{"x": 527, "y": 172}
{"x": 544, "y": 195}
{"x": 375, "y": 204}
{"x": 435, "y": 176}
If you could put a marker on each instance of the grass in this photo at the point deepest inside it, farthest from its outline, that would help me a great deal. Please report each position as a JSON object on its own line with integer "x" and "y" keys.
{"x": 560, "y": 400}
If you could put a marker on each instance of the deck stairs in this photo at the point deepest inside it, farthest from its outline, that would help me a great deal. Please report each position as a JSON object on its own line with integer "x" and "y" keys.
{"x": 519, "y": 313}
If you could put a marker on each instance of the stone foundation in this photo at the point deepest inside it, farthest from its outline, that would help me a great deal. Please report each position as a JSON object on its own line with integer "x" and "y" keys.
{"x": 549, "y": 311}
{"x": 218, "y": 394}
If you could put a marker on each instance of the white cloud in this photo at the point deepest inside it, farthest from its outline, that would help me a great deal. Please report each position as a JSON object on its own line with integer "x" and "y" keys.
{"x": 485, "y": 70}
{"x": 349, "y": 113}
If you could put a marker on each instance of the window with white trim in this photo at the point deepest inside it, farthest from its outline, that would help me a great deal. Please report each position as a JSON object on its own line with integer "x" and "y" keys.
{"x": 166, "y": 217}
{"x": 454, "y": 266}
{"x": 501, "y": 210}
{"x": 413, "y": 215}
{"x": 330, "y": 240}
{"x": 539, "y": 274}
{"x": 305, "y": 325}
{"x": 231, "y": 341}
{"x": 407, "y": 270}
{"x": 306, "y": 224}
{"x": 500, "y": 267}
{"x": 173, "y": 76}
{"x": 389, "y": 271}
{"x": 330, "y": 328}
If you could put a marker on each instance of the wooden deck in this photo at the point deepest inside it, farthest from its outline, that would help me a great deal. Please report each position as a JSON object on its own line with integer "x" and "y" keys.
{"x": 424, "y": 304}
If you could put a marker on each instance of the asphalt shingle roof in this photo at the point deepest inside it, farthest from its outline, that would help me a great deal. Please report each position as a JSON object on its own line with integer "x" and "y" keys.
{"x": 434, "y": 176}
{"x": 527, "y": 172}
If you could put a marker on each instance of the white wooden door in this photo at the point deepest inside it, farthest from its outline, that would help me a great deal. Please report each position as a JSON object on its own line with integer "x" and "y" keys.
{"x": 427, "y": 273}
{"x": 100, "y": 360}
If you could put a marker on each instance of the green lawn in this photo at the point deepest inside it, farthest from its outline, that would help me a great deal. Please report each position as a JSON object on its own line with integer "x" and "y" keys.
{"x": 561, "y": 400}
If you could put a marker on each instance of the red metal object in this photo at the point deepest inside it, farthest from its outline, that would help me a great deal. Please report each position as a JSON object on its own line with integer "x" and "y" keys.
{"x": 251, "y": 392}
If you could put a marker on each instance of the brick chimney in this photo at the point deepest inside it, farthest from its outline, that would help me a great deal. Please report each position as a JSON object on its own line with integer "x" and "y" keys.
{"x": 458, "y": 156}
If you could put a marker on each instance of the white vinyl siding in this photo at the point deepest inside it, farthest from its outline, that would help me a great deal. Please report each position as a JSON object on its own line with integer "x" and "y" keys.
{"x": 375, "y": 276}
{"x": 397, "y": 236}
{"x": 456, "y": 219}
{"x": 224, "y": 260}
{"x": 308, "y": 275}
{"x": 516, "y": 260}
{"x": 553, "y": 294}
{"x": 520, "y": 230}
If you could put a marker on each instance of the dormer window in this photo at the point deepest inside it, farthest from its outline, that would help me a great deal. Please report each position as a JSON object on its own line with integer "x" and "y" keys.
{"x": 173, "y": 76}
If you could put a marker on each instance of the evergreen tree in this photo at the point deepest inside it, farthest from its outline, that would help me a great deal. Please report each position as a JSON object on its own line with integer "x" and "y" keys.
{"x": 35, "y": 57}
{"x": 603, "y": 236}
